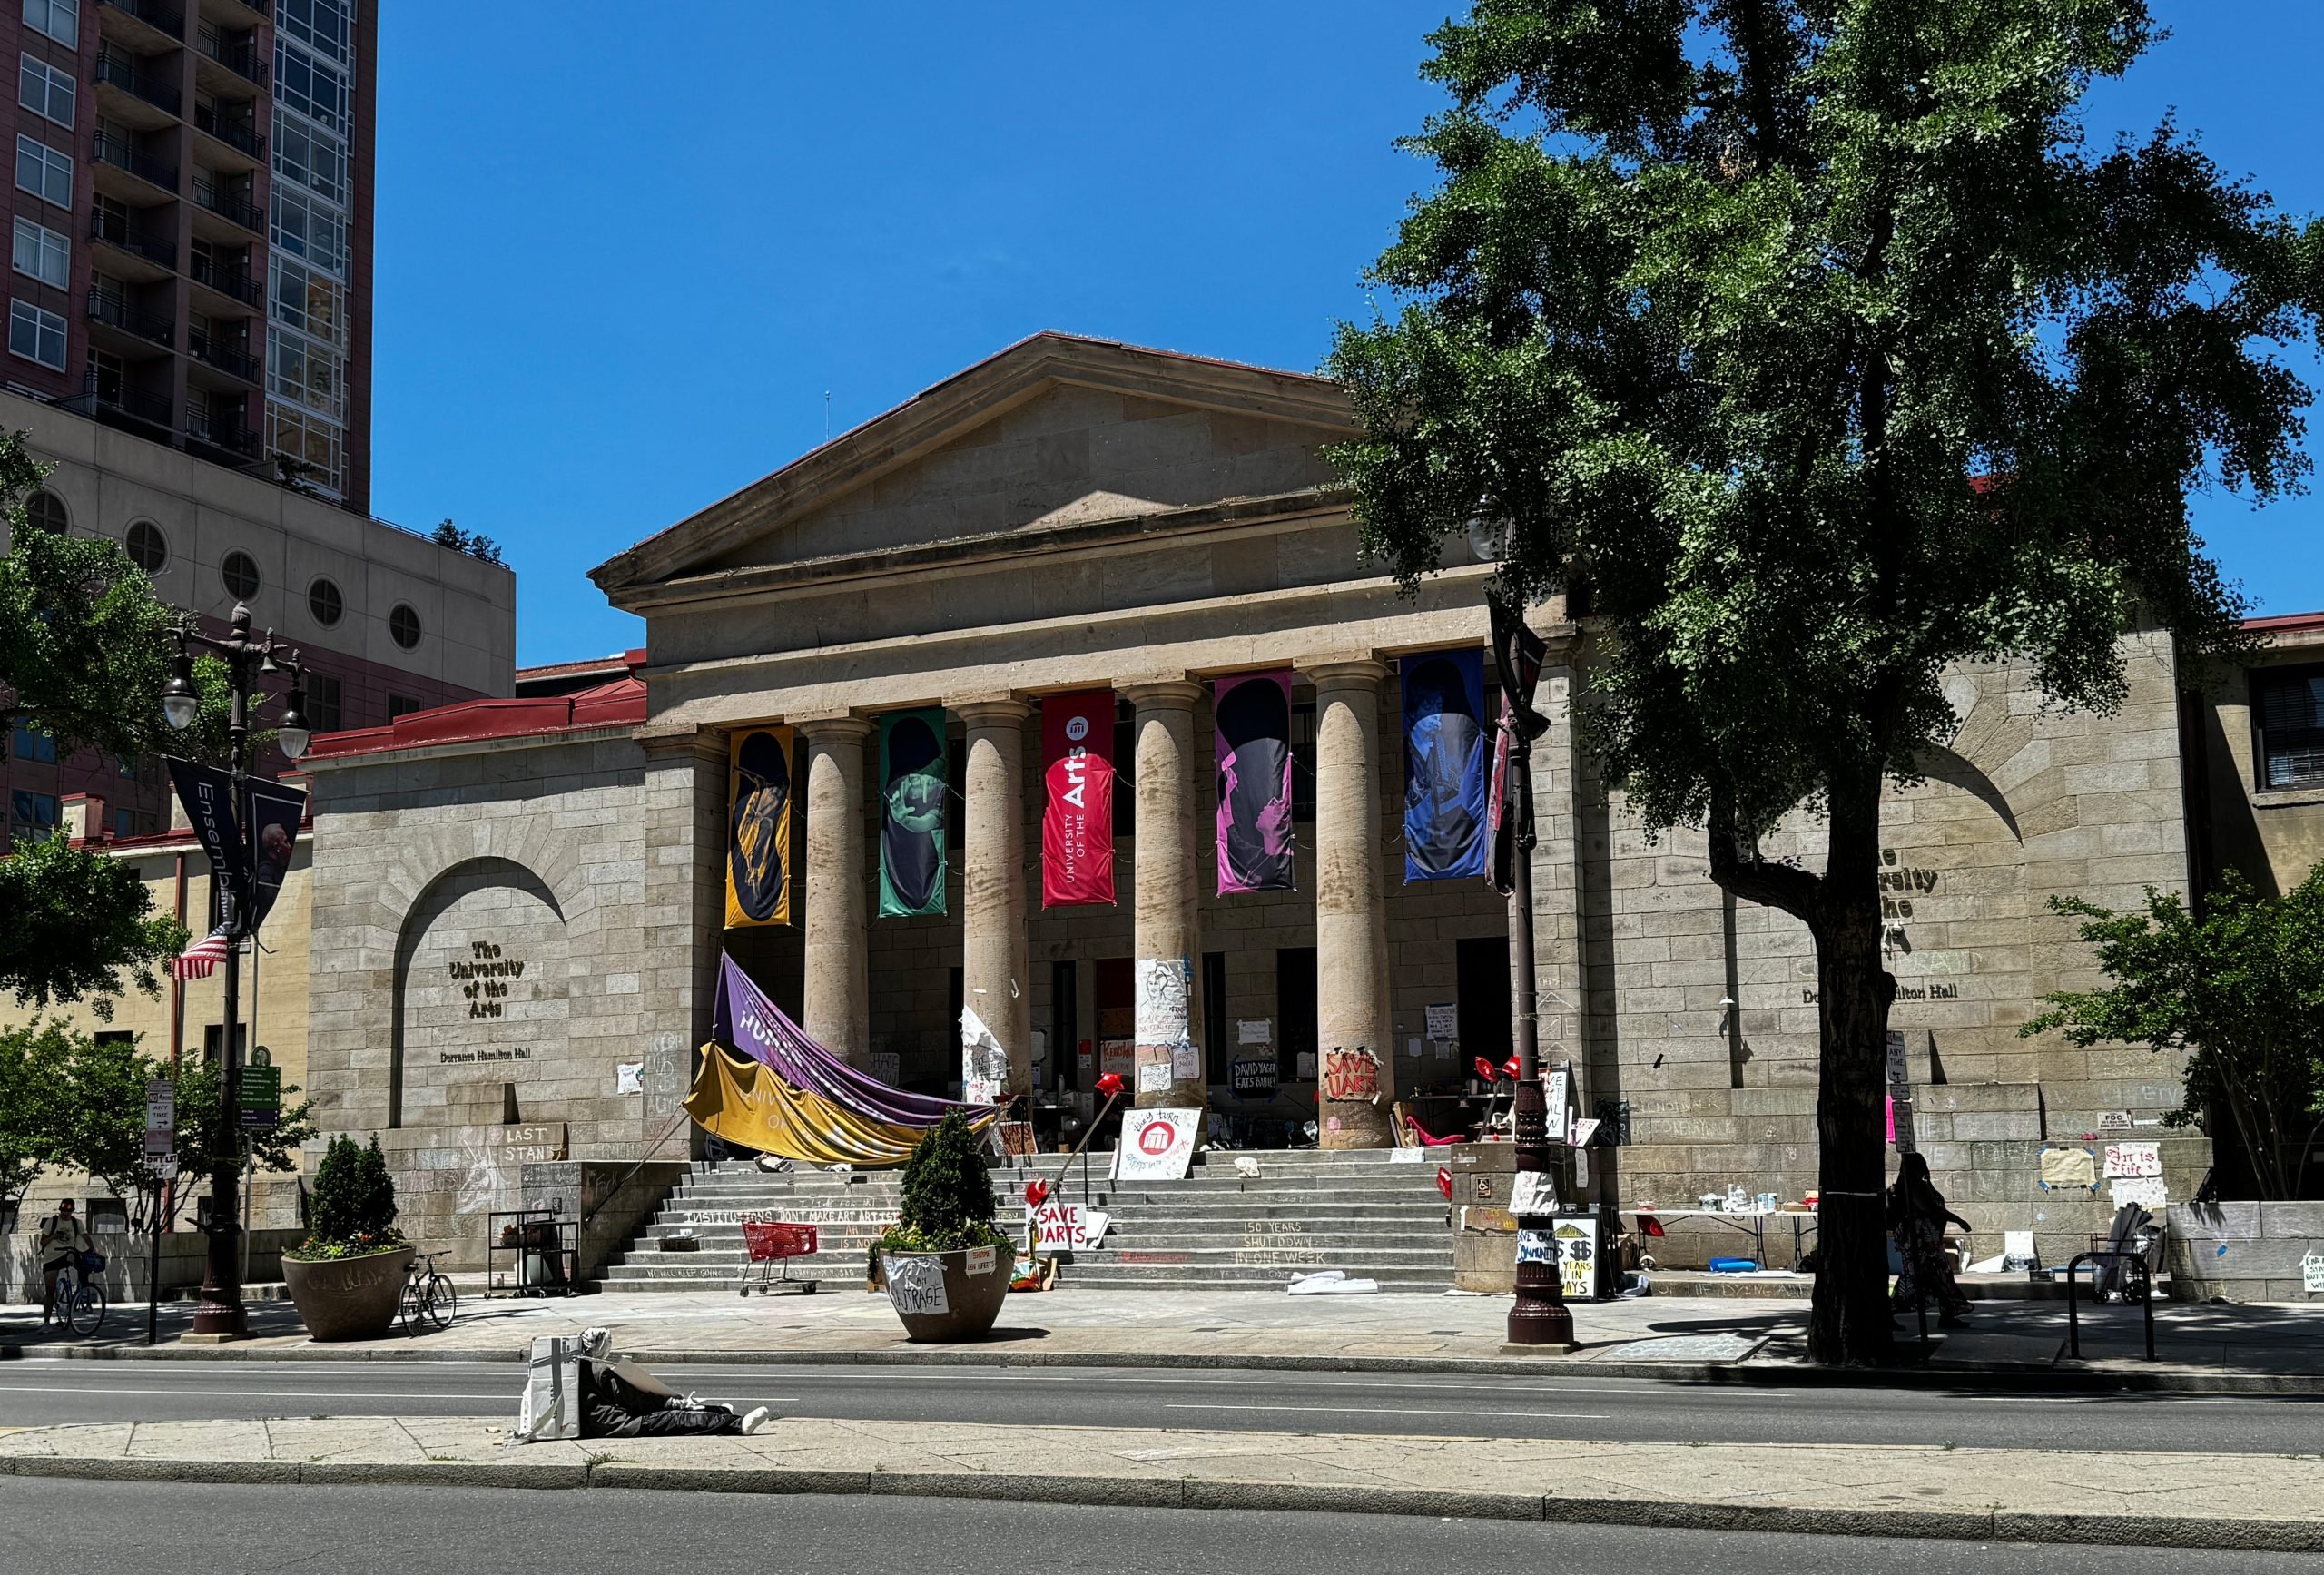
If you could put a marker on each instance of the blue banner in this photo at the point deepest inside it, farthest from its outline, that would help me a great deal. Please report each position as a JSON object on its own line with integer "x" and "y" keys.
{"x": 1445, "y": 751}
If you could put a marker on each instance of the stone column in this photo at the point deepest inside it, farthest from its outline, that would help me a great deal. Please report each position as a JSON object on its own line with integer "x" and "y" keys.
{"x": 837, "y": 997}
{"x": 1351, "y": 1012}
{"x": 996, "y": 975}
{"x": 1166, "y": 931}
{"x": 684, "y": 919}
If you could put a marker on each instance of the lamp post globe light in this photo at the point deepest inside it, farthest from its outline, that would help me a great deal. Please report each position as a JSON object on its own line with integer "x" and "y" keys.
{"x": 246, "y": 657}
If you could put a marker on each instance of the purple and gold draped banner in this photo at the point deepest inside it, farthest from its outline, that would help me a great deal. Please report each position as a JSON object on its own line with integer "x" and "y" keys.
{"x": 758, "y": 820}
{"x": 1445, "y": 833}
{"x": 1251, "y": 714}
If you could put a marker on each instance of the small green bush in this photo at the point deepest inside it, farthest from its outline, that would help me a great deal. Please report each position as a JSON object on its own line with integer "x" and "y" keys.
{"x": 352, "y": 1210}
{"x": 947, "y": 1194}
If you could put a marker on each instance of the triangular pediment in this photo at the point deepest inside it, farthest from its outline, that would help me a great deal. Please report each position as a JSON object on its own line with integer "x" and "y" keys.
{"x": 1055, "y": 431}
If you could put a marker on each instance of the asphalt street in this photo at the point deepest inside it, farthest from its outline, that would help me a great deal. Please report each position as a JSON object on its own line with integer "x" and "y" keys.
{"x": 37, "y": 1392}
{"x": 88, "y": 1528}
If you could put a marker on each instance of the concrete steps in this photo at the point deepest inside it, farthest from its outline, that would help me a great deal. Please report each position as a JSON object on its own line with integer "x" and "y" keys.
{"x": 1214, "y": 1230}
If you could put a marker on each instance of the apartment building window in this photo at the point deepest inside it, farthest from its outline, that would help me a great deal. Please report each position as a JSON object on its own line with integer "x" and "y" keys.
{"x": 2289, "y": 710}
{"x": 149, "y": 549}
{"x": 44, "y": 171}
{"x": 404, "y": 704}
{"x": 306, "y": 300}
{"x": 296, "y": 370}
{"x": 36, "y": 334}
{"x": 307, "y": 228}
{"x": 35, "y": 745}
{"x": 44, "y": 510}
{"x": 310, "y": 87}
{"x": 58, "y": 19}
{"x": 239, "y": 573}
{"x": 45, "y": 91}
{"x": 310, "y": 441}
{"x": 403, "y": 626}
{"x": 136, "y": 823}
{"x": 324, "y": 26}
{"x": 313, "y": 158}
{"x": 34, "y": 819}
{"x": 324, "y": 714}
{"x": 43, "y": 253}
{"x": 325, "y": 602}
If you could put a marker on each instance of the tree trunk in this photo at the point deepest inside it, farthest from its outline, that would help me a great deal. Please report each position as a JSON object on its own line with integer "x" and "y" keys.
{"x": 1848, "y": 1325}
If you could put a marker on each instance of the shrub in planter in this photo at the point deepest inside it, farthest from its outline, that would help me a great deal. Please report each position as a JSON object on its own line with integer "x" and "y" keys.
{"x": 348, "y": 1275}
{"x": 946, "y": 1262}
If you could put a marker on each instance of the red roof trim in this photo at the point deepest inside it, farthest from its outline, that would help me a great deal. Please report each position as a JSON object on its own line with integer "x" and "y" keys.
{"x": 2285, "y": 622}
{"x": 620, "y": 704}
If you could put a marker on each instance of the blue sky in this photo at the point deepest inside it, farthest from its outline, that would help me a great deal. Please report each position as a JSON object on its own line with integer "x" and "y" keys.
{"x": 620, "y": 265}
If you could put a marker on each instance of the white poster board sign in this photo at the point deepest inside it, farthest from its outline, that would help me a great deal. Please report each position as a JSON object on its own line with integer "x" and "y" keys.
{"x": 2311, "y": 1272}
{"x": 1254, "y": 1031}
{"x": 984, "y": 1064}
{"x": 1154, "y": 1077}
{"x": 2133, "y": 1159}
{"x": 2146, "y": 1191}
{"x": 981, "y": 1260}
{"x": 1444, "y": 1021}
{"x": 1069, "y": 1227}
{"x": 1533, "y": 1192}
{"x": 916, "y": 1284}
{"x": 1157, "y": 1145}
{"x": 1577, "y": 1243}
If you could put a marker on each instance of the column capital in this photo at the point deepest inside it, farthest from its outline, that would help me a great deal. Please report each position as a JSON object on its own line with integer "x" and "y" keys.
{"x": 1163, "y": 691}
{"x": 832, "y": 725}
{"x": 988, "y": 709}
{"x": 1343, "y": 670}
{"x": 670, "y": 743}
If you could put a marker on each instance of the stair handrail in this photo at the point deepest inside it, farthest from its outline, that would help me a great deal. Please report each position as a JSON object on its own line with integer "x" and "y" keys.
{"x": 667, "y": 1132}
{"x": 1081, "y": 1151}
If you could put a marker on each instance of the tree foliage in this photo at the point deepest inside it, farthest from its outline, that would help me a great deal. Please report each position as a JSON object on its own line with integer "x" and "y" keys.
{"x": 75, "y": 923}
{"x": 947, "y": 1201}
{"x": 1809, "y": 346}
{"x": 352, "y": 1210}
{"x": 2239, "y": 989}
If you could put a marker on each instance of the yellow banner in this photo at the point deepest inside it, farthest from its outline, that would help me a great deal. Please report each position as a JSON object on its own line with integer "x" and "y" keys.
{"x": 743, "y": 1101}
{"x": 758, "y": 820}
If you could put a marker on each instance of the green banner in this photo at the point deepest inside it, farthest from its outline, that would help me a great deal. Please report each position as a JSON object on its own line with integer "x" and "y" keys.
{"x": 262, "y": 1096}
{"x": 912, "y": 809}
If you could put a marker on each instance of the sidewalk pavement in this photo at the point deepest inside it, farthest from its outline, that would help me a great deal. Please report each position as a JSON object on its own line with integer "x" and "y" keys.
{"x": 2272, "y": 1348}
{"x": 2241, "y": 1502}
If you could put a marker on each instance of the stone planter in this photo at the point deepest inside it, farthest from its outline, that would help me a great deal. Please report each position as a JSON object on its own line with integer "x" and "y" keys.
{"x": 348, "y": 1298}
{"x": 944, "y": 1297}
{"x": 2241, "y": 1252}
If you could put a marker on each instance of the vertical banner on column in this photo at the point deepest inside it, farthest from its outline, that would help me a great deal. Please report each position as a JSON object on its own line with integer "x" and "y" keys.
{"x": 1252, "y": 719}
{"x": 275, "y": 812}
{"x": 913, "y": 845}
{"x": 1077, "y": 820}
{"x": 758, "y": 850}
{"x": 1446, "y": 834}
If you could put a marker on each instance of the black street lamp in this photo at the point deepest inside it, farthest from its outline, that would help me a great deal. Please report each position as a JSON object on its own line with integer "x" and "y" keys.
{"x": 221, "y": 1312}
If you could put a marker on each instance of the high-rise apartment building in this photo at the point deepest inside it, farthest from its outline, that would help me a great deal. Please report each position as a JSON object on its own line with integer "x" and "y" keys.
{"x": 191, "y": 220}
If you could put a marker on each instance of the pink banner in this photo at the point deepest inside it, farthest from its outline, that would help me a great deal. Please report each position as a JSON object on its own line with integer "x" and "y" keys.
{"x": 1251, "y": 714}
{"x": 1077, "y": 822}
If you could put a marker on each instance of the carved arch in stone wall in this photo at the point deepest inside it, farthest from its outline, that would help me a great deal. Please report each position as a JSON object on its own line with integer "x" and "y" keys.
{"x": 527, "y": 871}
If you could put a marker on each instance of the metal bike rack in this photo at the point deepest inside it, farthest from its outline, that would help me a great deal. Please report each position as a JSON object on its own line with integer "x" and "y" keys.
{"x": 2146, "y": 1297}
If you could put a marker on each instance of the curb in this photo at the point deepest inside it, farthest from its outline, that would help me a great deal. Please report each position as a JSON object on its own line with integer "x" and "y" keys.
{"x": 1772, "y": 1375}
{"x": 2192, "y": 1531}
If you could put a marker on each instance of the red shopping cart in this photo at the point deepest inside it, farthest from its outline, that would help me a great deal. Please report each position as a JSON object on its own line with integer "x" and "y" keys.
{"x": 772, "y": 1243}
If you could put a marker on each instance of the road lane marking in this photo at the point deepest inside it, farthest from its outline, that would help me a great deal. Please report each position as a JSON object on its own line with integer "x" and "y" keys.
{"x": 1389, "y": 1410}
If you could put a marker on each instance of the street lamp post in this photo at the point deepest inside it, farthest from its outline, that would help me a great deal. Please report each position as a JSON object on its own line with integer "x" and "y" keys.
{"x": 1539, "y": 1317}
{"x": 245, "y": 656}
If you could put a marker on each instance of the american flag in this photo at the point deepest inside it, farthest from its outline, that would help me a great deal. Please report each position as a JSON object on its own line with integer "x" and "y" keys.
{"x": 197, "y": 960}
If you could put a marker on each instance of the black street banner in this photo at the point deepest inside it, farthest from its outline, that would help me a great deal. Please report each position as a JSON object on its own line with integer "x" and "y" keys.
{"x": 208, "y": 795}
{"x": 276, "y": 810}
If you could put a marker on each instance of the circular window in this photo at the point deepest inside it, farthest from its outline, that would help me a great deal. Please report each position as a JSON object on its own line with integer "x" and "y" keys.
{"x": 45, "y": 511}
{"x": 325, "y": 602}
{"x": 240, "y": 571}
{"x": 404, "y": 625}
{"x": 148, "y": 549}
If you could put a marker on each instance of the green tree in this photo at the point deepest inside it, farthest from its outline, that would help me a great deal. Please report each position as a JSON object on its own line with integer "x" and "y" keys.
{"x": 2239, "y": 989}
{"x": 352, "y": 1209}
{"x": 947, "y": 1195}
{"x": 32, "y": 1083}
{"x": 1808, "y": 348}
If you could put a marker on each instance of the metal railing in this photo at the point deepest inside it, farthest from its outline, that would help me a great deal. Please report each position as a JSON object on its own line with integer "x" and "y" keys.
{"x": 234, "y": 133}
{"x": 231, "y": 437}
{"x": 115, "y": 231}
{"x": 210, "y": 351}
{"x": 234, "y": 282}
{"x": 119, "y": 68}
{"x": 2145, "y": 1297}
{"x": 154, "y": 408}
{"x": 151, "y": 13}
{"x": 241, "y": 57}
{"x": 111, "y": 150}
{"x": 232, "y": 209}
{"x": 114, "y": 311}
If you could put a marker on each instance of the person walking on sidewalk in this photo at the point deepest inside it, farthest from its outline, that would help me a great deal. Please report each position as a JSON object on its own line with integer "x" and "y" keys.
{"x": 1917, "y": 1217}
{"x": 63, "y": 1237}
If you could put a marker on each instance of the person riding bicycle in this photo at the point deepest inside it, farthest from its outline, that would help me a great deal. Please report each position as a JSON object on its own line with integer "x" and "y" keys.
{"x": 63, "y": 1237}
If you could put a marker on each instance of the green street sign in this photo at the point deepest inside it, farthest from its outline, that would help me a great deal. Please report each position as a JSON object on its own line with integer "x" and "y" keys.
{"x": 262, "y": 1097}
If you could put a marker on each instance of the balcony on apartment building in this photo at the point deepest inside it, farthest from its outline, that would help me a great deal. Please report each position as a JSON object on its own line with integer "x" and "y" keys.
{"x": 233, "y": 125}
{"x": 113, "y": 149}
{"x": 225, "y": 54}
{"x": 213, "y": 349}
{"x": 138, "y": 89}
{"x": 229, "y": 277}
{"x": 113, "y": 395}
{"x": 221, "y": 436}
{"x": 116, "y": 315}
{"x": 150, "y": 23}
{"x": 149, "y": 253}
{"x": 229, "y": 200}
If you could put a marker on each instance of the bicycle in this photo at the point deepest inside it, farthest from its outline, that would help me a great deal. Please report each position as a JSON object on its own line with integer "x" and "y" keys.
{"x": 428, "y": 1295}
{"x": 82, "y": 1304}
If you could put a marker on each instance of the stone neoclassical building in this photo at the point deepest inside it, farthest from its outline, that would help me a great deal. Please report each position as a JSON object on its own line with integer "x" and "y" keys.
{"x": 519, "y": 906}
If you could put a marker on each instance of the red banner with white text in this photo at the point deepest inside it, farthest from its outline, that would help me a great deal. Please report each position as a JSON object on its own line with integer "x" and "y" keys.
{"x": 1077, "y": 820}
